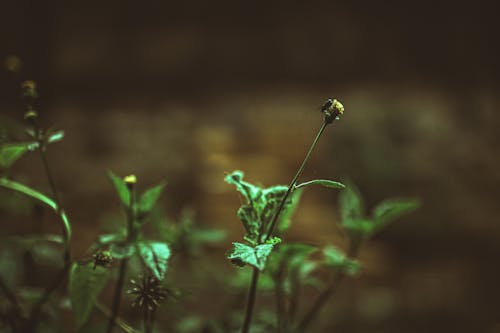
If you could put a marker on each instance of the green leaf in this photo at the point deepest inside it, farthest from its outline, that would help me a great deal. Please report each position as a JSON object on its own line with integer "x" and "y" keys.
{"x": 322, "y": 182}
{"x": 85, "y": 284}
{"x": 155, "y": 256}
{"x": 148, "y": 198}
{"x": 121, "y": 188}
{"x": 11, "y": 152}
{"x": 254, "y": 256}
{"x": 55, "y": 136}
{"x": 249, "y": 191}
{"x": 351, "y": 204}
{"x": 391, "y": 209}
{"x": 122, "y": 250}
{"x": 360, "y": 228}
{"x": 336, "y": 259}
{"x": 18, "y": 187}
{"x": 285, "y": 218}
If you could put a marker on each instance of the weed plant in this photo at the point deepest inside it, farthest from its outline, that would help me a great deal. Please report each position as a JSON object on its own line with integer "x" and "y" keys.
{"x": 129, "y": 261}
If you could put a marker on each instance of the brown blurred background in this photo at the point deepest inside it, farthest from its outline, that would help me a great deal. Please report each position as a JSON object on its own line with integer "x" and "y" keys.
{"x": 185, "y": 91}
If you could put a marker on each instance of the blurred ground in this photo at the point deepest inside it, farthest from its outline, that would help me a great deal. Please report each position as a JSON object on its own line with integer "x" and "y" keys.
{"x": 188, "y": 91}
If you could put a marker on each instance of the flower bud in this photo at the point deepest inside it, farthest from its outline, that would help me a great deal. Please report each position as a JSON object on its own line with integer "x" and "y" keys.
{"x": 130, "y": 181}
{"x": 332, "y": 109}
{"x": 29, "y": 89}
{"x": 102, "y": 258}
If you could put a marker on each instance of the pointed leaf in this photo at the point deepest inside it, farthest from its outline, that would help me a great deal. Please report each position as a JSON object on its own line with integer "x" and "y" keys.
{"x": 121, "y": 188}
{"x": 391, "y": 209}
{"x": 336, "y": 259}
{"x": 254, "y": 256}
{"x": 351, "y": 204}
{"x": 85, "y": 285}
{"x": 55, "y": 136}
{"x": 322, "y": 182}
{"x": 148, "y": 198}
{"x": 155, "y": 255}
{"x": 11, "y": 152}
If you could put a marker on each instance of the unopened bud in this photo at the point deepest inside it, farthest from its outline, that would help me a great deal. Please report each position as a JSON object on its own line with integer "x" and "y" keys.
{"x": 29, "y": 89}
{"x": 130, "y": 181}
{"x": 332, "y": 109}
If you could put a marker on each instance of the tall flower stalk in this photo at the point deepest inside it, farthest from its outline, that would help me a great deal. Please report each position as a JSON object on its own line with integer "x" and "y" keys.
{"x": 331, "y": 110}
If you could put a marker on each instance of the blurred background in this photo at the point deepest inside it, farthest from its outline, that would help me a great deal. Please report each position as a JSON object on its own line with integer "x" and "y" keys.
{"x": 186, "y": 91}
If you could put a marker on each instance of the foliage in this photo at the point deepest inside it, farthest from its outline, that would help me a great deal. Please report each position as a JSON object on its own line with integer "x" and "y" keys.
{"x": 130, "y": 248}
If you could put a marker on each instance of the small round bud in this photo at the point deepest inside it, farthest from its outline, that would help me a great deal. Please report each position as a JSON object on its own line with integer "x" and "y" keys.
{"x": 130, "y": 181}
{"x": 332, "y": 109}
{"x": 29, "y": 89}
{"x": 102, "y": 258}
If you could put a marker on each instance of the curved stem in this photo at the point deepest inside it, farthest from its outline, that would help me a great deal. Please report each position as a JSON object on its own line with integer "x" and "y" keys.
{"x": 294, "y": 181}
{"x": 59, "y": 209}
{"x": 255, "y": 275}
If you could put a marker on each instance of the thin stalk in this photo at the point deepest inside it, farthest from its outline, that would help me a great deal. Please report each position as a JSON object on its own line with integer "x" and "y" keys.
{"x": 255, "y": 275}
{"x": 252, "y": 292}
{"x": 59, "y": 279}
{"x": 123, "y": 267}
{"x": 294, "y": 181}
{"x": 322, "y": 299}
{"x": 55, "y": 195}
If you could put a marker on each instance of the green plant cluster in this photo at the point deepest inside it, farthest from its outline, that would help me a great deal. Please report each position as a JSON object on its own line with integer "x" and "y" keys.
{"x": 267, "y": 263}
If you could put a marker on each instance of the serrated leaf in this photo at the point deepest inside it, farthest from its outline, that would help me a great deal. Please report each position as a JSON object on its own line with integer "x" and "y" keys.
{"x": 391, "y": 209}
{"x": 255, "y": 256}
{"x": 155, "y": 256}
{"x": 149, "y": 198}
{"x": 336, "y": 258}
{"x": 121, "y": 188}
{"x": 322, "y": 182}
{"x": 11, "y": 152}
{"x": 85, "y": 285}
{"x": 249, "y": 191}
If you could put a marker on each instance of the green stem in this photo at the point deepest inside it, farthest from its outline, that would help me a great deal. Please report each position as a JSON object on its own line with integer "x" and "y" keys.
{"x": 255, "y": 275}
{"x": 59, "y": 209}
{"x": 250, "y": 301}
{"x": 294, "y": 181}
{"x": 123, "y": 267}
